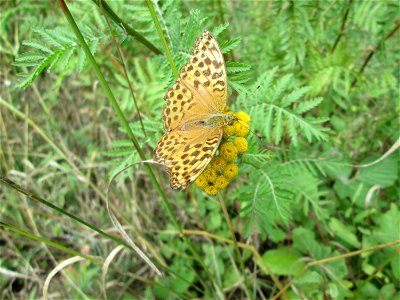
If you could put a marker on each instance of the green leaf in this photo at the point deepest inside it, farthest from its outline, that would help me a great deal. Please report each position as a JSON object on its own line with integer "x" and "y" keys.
{"x": 294, "y": 96}
{"x": 283, "y": 261}
{"x": 383, "y": 173}
{"x": 309, "y": 280}
{"x": 229, "y": 45}
{"x": 388, "y": 225}
{"x": 344, "y": 232}
{"x": 308, "y": 105}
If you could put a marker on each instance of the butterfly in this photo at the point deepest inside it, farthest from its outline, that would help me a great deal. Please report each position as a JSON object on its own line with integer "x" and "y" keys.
{"x": 194, "y": 116}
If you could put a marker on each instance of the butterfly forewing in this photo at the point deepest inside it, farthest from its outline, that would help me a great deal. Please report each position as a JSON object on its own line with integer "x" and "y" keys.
{"x": 200, "y": 93}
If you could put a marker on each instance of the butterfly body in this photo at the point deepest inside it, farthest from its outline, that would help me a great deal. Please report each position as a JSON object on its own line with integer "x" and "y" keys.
{"x": 194, "y": 116}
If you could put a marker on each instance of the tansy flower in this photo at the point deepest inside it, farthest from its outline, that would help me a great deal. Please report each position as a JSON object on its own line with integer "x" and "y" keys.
{"x": 210, "y": 174}
{"x": 228, "y": 151}
{"x": 231, "y": 170}
{"x": 221, "y": 182}
{"x": 201, "y": 180}
{"x": 222, "y": 169}
{"x": 241, "y": 128}
{"x": 211, "y": 189}
{"x": 218, "y": 163}
{"x": 242, "y": 116}
{"x": 229, "y": 130}
{"x": 241, "y": 144}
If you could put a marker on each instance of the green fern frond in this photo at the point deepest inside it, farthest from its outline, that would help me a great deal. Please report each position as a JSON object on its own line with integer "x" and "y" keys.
{"x": 52, "y": 47}
{"x": 236, "y": 67}
{"x": 277, "y": 109}
{"x": 229, "y": 45}
{"x": 294, "y": 30}
{"x": 216, "y": 31}
{"x": 269, "y": 201}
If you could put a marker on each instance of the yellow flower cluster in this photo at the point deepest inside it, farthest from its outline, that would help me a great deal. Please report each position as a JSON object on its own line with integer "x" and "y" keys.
{"x": 222, "y": 168}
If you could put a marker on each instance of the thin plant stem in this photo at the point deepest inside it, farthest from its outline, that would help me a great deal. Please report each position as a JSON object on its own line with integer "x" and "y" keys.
{"x": 121, "y": 57}
{"x": 129, "y": 131}
{"x": 374, "y": 49}
{"x": 343, "y": 27}
{"x": 34, "y": 197}
{"x": 162, "y": 38}
{"x": 129, "y": 30}
{"x": 231, "y": 230}
{"x": 49, "y": 243}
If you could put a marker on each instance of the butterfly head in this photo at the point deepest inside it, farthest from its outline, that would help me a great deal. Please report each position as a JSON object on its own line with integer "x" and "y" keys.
{"x": 229, "y": 119}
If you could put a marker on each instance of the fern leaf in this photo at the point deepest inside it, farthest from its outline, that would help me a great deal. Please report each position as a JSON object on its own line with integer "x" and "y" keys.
{"x": 292, "y": 131}
{"x": 268, "y": 124}
{"x": 237, "y": 67}
{"x": 37, "y": 45}
{"x": 26, "y": 57}
{"x": 294, "y": 96}
{"x": 273, "y": 112}
{"x": 54, "y": 48}
{"x": 281, "y": 85}
{"x": 308, "y": 105}
{"x": 219, "y": 29}
{"x": 278, "y": 126}
{"x": 229, "y": 45}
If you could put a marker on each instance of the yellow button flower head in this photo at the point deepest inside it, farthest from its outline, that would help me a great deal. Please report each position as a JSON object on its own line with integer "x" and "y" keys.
{"x": 201, "y": 181}
{"x": 222, "y": 169}
{"x": 228, "y": 151}
{"x": 229, "y": 130}
{"x": 241, "y": 128}
{"x": 221, "y": 182}
{"x": 231, "y": 170}
{"x": 218, "y": 163}
{"x": 211, "y": 190}
{"x": 210, "y": 174}
{"x": 241, "y": 144}
{"x": 242, "y": 116}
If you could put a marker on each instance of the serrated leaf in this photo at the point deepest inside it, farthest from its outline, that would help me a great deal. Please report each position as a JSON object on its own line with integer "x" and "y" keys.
{"x": 278, "y": 127}
{"x": 81, "y": 59}
{"x": 235, "y": 67}
{"x": 31, "y": 57}
{"x": 307, "y": 105}
{"x": 55, "y": 60}
{"x": 219, "y": 29}
{"x": 293, "y": 132}
{"x": 268, "y": 123}
{"x": 229, "y": 45}
{"x": 279, "y": 88}
{"x": 48, "y": 37}
{"x": 37, "y": 45}
{"x": 294, "y": 96}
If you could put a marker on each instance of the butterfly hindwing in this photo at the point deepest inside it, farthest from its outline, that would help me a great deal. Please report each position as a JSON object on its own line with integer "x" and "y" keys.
{"x": 187, "y": 153}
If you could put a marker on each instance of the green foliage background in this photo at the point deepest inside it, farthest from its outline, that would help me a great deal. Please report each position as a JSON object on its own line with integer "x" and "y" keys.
{"x": 320, "y": 80}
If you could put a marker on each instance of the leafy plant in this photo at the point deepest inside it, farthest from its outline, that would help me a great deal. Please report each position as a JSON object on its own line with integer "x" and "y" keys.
{"x": 313, "y": 212}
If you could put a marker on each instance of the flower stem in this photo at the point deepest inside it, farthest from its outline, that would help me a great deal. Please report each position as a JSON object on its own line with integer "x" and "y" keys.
{"x": 162, "y": 38}
{"x": 129, "y": 30}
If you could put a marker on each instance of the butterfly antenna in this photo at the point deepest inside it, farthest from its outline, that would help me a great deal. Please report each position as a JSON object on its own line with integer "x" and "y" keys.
{"x": 246, "y": 124}
{"x": 255, "y": 91}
